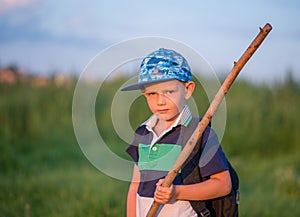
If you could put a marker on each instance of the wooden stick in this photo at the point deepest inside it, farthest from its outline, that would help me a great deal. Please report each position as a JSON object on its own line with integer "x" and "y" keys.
{"x": 188, "y": 148}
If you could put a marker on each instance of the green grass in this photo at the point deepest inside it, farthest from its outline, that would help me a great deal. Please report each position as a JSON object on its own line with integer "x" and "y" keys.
{"x": 44, "y": 173}
{"x": 64, "y": 191}
{"x": 269, "y": 187}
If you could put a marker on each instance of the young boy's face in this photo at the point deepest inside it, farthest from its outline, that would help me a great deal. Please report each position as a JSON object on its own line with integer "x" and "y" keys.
{"x": 167, "y": 99}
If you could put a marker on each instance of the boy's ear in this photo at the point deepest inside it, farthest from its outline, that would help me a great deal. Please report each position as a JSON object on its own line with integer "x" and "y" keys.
{"x": 190, "y": 87}
{"x": 143, "y": 92}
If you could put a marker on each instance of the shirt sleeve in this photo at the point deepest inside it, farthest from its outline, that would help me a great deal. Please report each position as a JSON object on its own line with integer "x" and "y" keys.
{"x": 212, "y": 159}
{"x": 132, "y": 150}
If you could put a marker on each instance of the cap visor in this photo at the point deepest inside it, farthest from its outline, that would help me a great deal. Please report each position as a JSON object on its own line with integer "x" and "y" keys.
{"x": 142, "y": 85}
{"x": 135, "y": 86}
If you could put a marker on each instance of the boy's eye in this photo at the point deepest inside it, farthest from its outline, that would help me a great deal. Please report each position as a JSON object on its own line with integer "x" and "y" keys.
{"x": 164, "y": 93}
{"x": 151, "y": 94}
{"x": 169, "y": 92}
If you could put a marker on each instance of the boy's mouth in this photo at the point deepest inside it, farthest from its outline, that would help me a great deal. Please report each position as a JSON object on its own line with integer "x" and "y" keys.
{"x": 162, "y": 110}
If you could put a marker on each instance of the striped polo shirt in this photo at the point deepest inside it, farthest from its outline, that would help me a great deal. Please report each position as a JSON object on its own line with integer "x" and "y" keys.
{"x": 155, "y": 156}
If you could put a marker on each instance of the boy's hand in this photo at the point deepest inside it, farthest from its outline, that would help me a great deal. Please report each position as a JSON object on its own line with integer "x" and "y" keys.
{"x": 164, "y": 195}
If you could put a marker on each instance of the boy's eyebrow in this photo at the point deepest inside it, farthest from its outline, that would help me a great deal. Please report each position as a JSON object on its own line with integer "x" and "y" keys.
{"x": 161, "y": 91}
{"x": 173, "y": 87}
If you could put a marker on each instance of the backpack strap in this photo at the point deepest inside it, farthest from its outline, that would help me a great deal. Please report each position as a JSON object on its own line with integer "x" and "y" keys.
{"x": 190, "y": 170}
{"x": 223, "y": 206}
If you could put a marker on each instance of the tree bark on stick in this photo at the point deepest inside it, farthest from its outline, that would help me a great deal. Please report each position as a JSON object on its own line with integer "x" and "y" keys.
{"x": 188, "y": 148}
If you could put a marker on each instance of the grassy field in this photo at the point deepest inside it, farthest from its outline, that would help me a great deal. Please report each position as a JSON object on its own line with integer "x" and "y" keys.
{"x": 44, "y": 173}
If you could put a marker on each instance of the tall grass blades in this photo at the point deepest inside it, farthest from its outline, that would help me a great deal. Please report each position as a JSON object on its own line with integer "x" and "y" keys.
{"x": 44, "y": 173}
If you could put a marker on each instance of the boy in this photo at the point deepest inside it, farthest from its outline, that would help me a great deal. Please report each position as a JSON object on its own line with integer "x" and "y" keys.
{"x": 165, "y": 80}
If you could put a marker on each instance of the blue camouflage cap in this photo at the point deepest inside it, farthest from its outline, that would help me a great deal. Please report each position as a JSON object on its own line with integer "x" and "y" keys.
{"x": 161, "y": 65}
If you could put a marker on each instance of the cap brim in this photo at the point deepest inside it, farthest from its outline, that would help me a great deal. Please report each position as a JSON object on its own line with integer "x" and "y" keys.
{"x": 142, "y": 85}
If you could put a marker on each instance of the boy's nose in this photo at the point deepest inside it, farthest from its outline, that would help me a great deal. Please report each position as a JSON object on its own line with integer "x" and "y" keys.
{"x": 161, "y": 99}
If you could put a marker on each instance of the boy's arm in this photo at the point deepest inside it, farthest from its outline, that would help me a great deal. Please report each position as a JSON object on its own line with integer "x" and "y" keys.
{"x": 218, "y": 185}
{"x": 131, "y": 196}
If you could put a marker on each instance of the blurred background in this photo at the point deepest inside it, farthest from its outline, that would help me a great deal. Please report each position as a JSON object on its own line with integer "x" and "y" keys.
{"x": 44, "y": 47}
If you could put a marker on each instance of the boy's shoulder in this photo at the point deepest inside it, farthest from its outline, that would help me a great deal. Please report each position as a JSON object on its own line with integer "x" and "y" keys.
{"x": 141, "y": 130}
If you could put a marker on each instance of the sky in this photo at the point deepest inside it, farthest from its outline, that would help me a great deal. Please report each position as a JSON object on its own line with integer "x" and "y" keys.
{"x": 46, "y": 36}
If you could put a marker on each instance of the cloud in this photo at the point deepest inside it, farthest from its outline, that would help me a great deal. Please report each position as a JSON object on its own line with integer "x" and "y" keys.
{"x": 8, "y": 5}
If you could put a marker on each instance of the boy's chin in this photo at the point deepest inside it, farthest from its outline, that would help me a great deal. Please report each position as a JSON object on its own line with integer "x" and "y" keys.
{"x": 167, "y": 118}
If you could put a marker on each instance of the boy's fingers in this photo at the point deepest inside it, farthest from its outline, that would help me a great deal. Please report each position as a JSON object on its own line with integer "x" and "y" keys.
{"x": 163, "y": 195}
{"x": 161, "y": 198}
{"x": 160, "y": 182}
{"x": 163, "y": 190}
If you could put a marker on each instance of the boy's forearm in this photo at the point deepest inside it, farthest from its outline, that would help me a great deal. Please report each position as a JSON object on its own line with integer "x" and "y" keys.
{"x": 132, "y": 193}
{"x": 214, "y": 187}
{"x": 131, "y": 208}
{"x": 131, "y": 203}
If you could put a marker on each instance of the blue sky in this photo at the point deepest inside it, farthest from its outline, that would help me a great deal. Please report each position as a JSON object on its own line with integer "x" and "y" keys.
{"x": 44, "y": 36}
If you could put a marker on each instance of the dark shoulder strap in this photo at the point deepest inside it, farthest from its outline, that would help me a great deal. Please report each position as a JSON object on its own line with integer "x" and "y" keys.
{"x": 196, "y": 153}
{"x": 190, "y": 171}
{"x": 225, "y": 206}
{"x": 187, "y": 135}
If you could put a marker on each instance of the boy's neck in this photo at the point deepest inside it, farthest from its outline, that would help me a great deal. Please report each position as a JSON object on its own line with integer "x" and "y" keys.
{"x": 162, "y": 125}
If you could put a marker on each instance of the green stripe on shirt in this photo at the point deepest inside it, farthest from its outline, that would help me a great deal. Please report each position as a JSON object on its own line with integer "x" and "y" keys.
{"x": 160, "y": 157}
